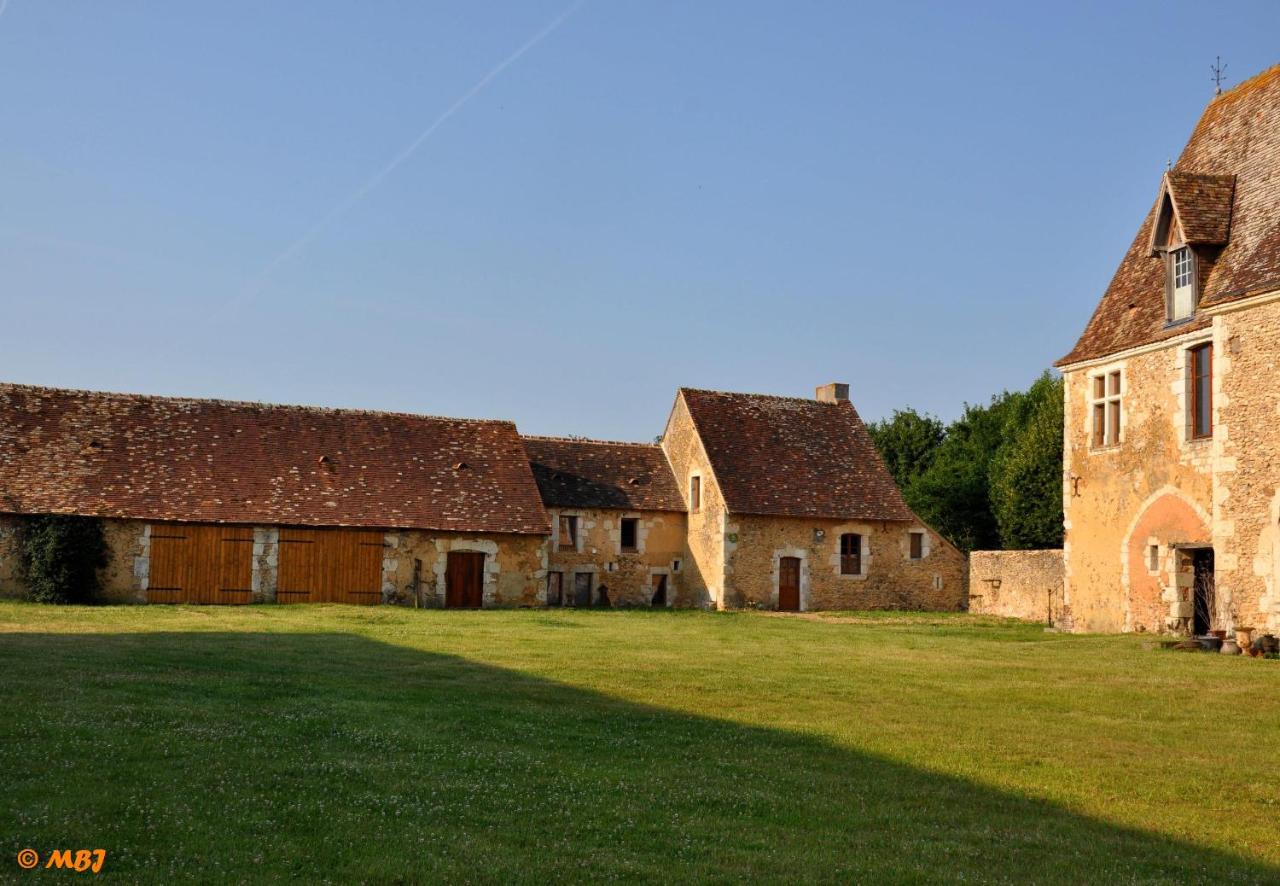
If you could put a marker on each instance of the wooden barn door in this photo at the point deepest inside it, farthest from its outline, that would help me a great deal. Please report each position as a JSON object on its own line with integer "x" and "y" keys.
{"x": 200, "y": 564}
{"x": 329, "y": 566}
{"x": 464, "y": 580}
{"x": 789, "y": 584}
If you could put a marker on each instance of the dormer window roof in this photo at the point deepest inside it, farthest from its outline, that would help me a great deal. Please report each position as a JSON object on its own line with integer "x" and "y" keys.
{"x": 1193, "y": 210}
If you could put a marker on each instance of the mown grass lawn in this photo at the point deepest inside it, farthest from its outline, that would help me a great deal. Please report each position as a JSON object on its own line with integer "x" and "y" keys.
{"x": 333, "y": 743}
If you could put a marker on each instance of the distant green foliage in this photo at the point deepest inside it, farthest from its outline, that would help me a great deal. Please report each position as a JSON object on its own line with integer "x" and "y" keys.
{"x": 59, "y": 558}
{"x": 1026, "y": 474}
{"x": 993, "y": 477}
{"x": 908, "y": 442}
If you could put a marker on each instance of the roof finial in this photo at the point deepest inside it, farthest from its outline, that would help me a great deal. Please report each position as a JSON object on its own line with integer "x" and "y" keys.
{"x": 1219, "y": 70}
{"x": 1168, "y": 165}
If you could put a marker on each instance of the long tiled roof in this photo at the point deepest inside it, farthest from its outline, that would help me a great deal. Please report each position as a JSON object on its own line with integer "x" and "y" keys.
{"x": 602, "y": 474}
{"x": 163, "y": 458}
{"x": 1225, "y": 189}
{"x": 793, "y": 457}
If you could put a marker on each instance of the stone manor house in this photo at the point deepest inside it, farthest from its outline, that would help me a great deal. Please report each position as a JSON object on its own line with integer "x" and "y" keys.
{"x": 749, "y": 501}
{"x": 1172, "y": 448}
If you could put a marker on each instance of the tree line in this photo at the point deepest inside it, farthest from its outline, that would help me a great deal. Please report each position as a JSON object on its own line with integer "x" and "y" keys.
{"x": 992, "y": 479}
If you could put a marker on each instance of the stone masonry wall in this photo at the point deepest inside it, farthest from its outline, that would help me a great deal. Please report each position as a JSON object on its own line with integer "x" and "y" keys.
{"x": 704, "y": 581}
{"x": 1151, "y": 492}
{"x": 9, "y": 586}
{"x": 1246, "y": 491}
{"x": 415, "y": 563}
{"x": 1017, "y": 584}
{"x": 890, "y": 579}
{"x": 627, "y": 575}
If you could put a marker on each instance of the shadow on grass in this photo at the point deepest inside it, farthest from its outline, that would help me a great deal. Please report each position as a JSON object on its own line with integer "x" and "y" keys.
{"x": 234, "y": 756}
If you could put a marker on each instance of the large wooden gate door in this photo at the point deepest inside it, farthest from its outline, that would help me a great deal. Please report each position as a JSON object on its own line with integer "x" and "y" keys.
{"x": 191, "y": 563}
{"x": 329, "y": 566}
{"x": 464, "y": 580}
{"x": 789, "y": 584}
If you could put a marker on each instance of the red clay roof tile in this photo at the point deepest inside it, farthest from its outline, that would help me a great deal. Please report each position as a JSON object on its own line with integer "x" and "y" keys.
{"x": 1227, "y": 181}
{"x": 793, "y": 457}
{"x": 603, "y": 474}
{"x": 164, "y": 458}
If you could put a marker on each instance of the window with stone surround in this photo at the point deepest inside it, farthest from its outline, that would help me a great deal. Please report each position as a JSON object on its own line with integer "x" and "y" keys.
{"x": 568, "y": 532}
{"x": 917, "y": 545}
{"x": 630, "y": 530}
{"x": 851, "y": 554}
{"x": 1106, "y": 411}
{"x": 695, "y": 493}
{"x": 1200, "y": 392}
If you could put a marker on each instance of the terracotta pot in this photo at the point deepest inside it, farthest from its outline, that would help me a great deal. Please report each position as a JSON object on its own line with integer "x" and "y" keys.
{"x": 1230, "y": 647}
{"x": 1221, "y": 635}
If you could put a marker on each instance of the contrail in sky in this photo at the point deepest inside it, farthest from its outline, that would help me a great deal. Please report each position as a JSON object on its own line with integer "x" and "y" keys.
{"x": 254, "y": 286}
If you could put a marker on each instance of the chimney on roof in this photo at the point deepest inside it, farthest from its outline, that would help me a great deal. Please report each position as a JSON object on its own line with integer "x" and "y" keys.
{"x": 836, "y": 392}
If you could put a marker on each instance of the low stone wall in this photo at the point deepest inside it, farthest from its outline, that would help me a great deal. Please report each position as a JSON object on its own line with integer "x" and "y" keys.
{"x": 1017, "y": 584}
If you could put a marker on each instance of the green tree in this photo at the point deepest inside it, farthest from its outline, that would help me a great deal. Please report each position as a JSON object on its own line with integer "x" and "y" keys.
{"x": 1026, "y": 474}
{"x": 953, "y": 494}
{"x": 990, "y": 479}
{"x": 59, "y": 557}
{"x": 907, "y": 442}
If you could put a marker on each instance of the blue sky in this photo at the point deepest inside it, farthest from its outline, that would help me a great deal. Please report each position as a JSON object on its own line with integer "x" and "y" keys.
{"x": 924, "y": 200}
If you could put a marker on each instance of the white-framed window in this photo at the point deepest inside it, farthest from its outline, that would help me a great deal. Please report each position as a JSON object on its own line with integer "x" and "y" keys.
{"x": 1182, "y": 284}
{"x": 1106, "y": 413}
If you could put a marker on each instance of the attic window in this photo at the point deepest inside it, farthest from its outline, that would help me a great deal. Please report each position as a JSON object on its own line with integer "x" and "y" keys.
{"x": 1182, "y": 283}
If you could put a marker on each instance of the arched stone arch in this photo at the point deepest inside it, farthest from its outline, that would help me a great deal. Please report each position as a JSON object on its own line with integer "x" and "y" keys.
{"x": 1169, "y": 519}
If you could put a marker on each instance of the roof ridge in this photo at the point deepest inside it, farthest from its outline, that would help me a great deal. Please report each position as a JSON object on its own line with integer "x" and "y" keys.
{"x": 764, "y": 396}
{"x": 1251, "y": 82}
{"x": 551, "y": 438}
{"x": 254, "y": 404}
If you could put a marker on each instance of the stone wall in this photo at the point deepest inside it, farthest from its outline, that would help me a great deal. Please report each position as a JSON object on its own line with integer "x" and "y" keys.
{"x": 890, "y": 579}
{"x": 1017, "y": 584}
{"x": 415, "y": 561}
{"x": 9, "y": 585}
{"x": 628, "y": 576}
{"x": 704, "y": 580}
{"x": 1151, "y": 492}
{"x": 1246, "y": 489}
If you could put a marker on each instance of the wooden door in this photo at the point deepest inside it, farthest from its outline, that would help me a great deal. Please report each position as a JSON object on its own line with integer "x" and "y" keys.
{"x": 329, "y": 566}
{"x": 659, "y": 597}
{"x": 464, "y": 580}
{"x": 789, "y": 584}
{"x": 192, "y": 563}
{"x": 555, "y": 588}
{"x": 582, "y": 582}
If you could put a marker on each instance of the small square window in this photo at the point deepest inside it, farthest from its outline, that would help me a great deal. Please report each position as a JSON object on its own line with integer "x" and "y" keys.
{"x": 917, "y": 546}
{"x": 629, "y": 533}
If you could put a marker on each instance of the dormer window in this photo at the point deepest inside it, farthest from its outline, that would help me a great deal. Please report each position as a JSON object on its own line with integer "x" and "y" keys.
{"x": 1182, "y": 283}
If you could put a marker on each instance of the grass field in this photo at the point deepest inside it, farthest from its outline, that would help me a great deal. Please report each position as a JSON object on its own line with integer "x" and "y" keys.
{"x": 334, "y": 743}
